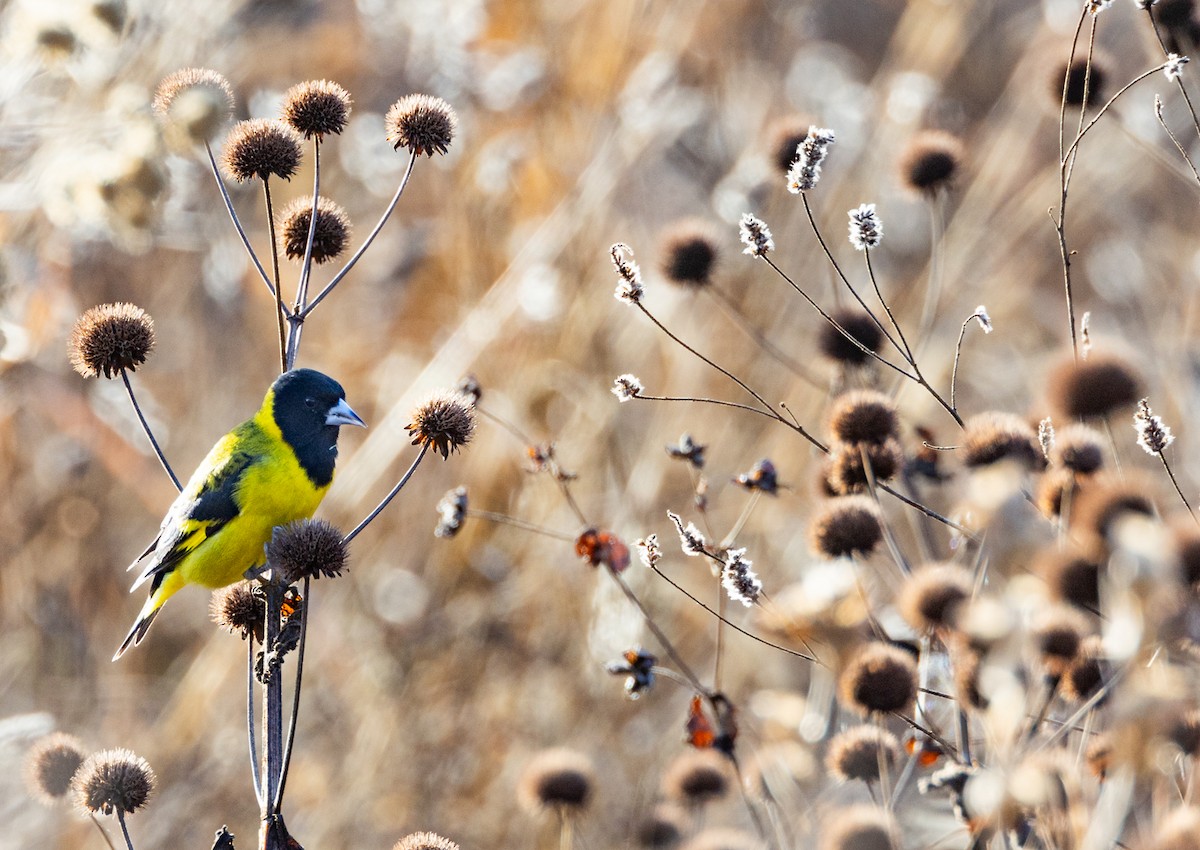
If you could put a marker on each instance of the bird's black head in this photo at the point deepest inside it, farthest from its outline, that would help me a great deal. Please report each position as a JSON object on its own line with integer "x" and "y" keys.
{"x": 309, "y": 408}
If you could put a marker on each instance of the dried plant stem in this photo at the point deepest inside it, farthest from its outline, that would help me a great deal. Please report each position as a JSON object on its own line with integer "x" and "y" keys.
{"x": 296, "y": 322}
{"x": 702, "y": 400}
{"x": 103, "y": 833}
{"x": 663, "y": 640}
{"x": 124, "y": 829}
{"x": 907, "y": 350}
{"x": 162, "y": 459}
{"x": 962, "y": 333}
{"x": 748, "y": 509}
{"x": 525, "y": 525}
{"x": 565, "y": 831}
{"x": 251, "y": 735}
{"x": 388, "y": 498}
{"x": 279, "y": 308}
{"x": 1179, "y": 80}
{"x": 291, "y": 732}
{"x": 760, "y": 339}
{"x": 1178, "y": 490}
{"x": 1158, "y": 113}
{"x": 932, "y": 514}
{"x": 272, "y": 700}
{"x": 885, "y": 777}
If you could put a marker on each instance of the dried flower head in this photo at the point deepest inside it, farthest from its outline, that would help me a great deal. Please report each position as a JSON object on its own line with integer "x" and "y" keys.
{"x": 931, "y": 595}
{"x": 846, "y": 467}
{"x": 648, "y": 550}
{"x": 452, "y": 512}
{"x": 110, "y": 338}
{"x": 50, "y": 765}
{"x": 630, "y": 289}
{"x": 755, "y": 235}
{"x": 316, "y": 108}
{"x": 689, "y": 253}
{"x": 697, "y": 777}
{"x": 662, "y": 828}
{"x": 1087, "y": 672}
{"x": 1046, "y": 436}
{"x": 690, "y": 539}
{"x": 1078, "y": 448}
{"x": 863, "y": 416}
{"x": 1097, "y": 507}
{"x": 981, "y": 316}
{"x": 859, "y": 827}
{"x": 847, "y": 525}
{"x": 1071, "y": 574}
{"x": 1153, "y": 435}
{"x": 1058, "y": 633}
{"x": 688, "y": 449}
{"x": 422, "y": 124}
{"x": 330, "y": 238}
{"x": 762, "y": 478}
{"x": 930, "y": 161}
{"x": 444, "y": 422}
{"x": 112, "y": 14}
{"x": 261, "y": 147}
{"x": 425, "y": 841}
{"x": 1098, "y": 6}
{"x": 307, "y": 548}
{"x": 866, "y": 230}
{"x": 1185, "y": 539}
{"x": 1173, "y": 67}
{"x": 880, "y": 678}
{"x": 1076, "y": 79}
{"x": 806, "y": 171}
{"x": 996, "y": 436}
{"x": 966, "y": 676}
{"x": 784, "y": 138}
{"x": 739, "y": 581}
{"x": 194, "y": 101}
{"x": 1052, "y": 490}
{"x": 240, "y": 609}
{"x": 627, "y": 387}
{"x": 558, "y": 780}
{"x": 637, "y": 666}
{"x": 602, "y": 548}
{"x": 469, "y": 386}
{"x": 1097, "y": 386}
{"x": 1184, "y": 732}
{"x": 856, "y": 753}
{"x": 860, "y": 326}
{"x": 113, "y": 781}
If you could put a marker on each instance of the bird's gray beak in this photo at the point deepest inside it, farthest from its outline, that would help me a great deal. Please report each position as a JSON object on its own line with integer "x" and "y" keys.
{"x": 341, "y": 414}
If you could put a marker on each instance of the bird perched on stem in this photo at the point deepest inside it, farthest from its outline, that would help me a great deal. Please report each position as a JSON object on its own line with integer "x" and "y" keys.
{"x": 272, "y": 469}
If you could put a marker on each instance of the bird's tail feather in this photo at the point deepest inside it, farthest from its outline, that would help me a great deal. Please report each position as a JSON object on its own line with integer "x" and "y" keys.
{"x": 139, "y": 628}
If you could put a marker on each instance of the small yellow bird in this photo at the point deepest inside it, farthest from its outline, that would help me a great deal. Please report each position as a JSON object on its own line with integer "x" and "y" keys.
{"x": 272, "y": 469}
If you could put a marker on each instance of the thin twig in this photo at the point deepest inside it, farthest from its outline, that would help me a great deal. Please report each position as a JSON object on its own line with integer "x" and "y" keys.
{"x": 279, "y": 308}
{"x": 251, "y": 736}
{"x": 1158, "y": 113}
{"x": 297, "y": 323}
{"x": 291, "y": 732}
{"x": 149, "y": 434}
{"x": 525, "y": 525}
{"x": 386, "y": 499}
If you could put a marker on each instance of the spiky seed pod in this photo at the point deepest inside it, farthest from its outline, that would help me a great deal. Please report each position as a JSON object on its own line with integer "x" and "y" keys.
{"x": 1071, "y": 575}
{"x": 1098, "y": 386}
{"x": 1074, "y": 75}
{"x": 175, "y": 84}
{"x": 262, "y": 148}
{"x": 558, "y": 780}
{"x": 307, "y": 548}
{"x": 113, "y": 781}
{"x": 239, "y": 609}
{"x": 109, "y": 338}
{"x": 444, "y": 422}
{"x": 316, "y": 108}
{"x": 931, "y": 595}
{"x": 330, "y": 238}
{"x": 859, "y": 325}
{"x": 846, "y": 471}
{"x": 1058, "y": 634}
{"x": 880, "y": 678}
{"x": 854, "y": 753}
{"x": 930, "y": 161}
{"x": 1052, "y": 489}
{"x": 697, "y": 777}
{"x": 689, "y": 253}
{"x": 422, "y": 124}
{"x": 662, "y": 828}
{"x": 1184, "y": 732}
{"x": 848, "y": 525}
{"x": 997, "y": 436}
{"x": 425, "y": 841}
{"x": 784, "y": 137}
{"x": 50, "y": 765}
{"x": 1097, "y": 507}
{"x": 193, "y": 103}
{"x": 859, "y": 827}
{"x": 452, "y": 512}
{"x": 1087, "y": 672}
{"x": 863, "y": 416}
{"x": 1078, "y": 448}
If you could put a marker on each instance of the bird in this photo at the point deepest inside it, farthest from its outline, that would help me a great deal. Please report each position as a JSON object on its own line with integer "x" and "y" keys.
{"x": 272, "y": 469}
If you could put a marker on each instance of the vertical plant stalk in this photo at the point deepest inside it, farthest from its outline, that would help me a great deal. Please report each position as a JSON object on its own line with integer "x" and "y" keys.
{"x": 1178, "y": 490}
{"x": 962, "y": 334}
{"x": 103, "y": 834}
{"x": 1179, "y": 82}
{"x": 162, "y": 459}
{"x": 760, "y": 339}
{"x": 251, "y": 733}
{"x": 295, "y": 321}
{"x": 272, "y": 704}
{"x": 291, "y": 732}
{"x": 907, "y": 351}
{"x": 124, "y": 829}
{"x": 279, "y": 308}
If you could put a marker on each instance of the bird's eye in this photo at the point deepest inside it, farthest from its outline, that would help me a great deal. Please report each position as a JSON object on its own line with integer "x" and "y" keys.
{"x": 310, "y": 403}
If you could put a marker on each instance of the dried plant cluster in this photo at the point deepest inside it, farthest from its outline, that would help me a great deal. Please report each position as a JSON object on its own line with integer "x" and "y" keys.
{"x": 817, "y": 489}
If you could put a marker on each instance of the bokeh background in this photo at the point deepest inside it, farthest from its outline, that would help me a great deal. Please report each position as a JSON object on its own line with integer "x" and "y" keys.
{"x": 437, "y": 668}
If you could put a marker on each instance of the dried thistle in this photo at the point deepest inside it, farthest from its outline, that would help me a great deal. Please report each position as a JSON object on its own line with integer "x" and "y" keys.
{"x": 422, "y": 124}
{"x": 445, "y": 422}
{"x": 110, "y": 338}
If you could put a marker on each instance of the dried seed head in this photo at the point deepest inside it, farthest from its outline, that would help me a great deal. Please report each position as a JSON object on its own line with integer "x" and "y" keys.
{"x": 784, "y": 137}
{"x": 1058, "y": 634}
{"x": 194, "y": 103}
{"x": 1074, "y": 76}
{"x": 854, "y": 753}
{"x": 697, "y": 777}
{"x": 1071, "y": 575}
{"x": 866, "y": 230}
{"x": 629, "y": 289}
{"x": 444, "y": 422}
{"x": 811, "y": 152}
{"x": 1097, "y": 507}
{"x": 688, "y": 449}
{"x": 834, "y": 345}
{"x": 1099, "y": 755}
{"x": 1097, "y": 386}
{"x": 109, "y": 338}
{"x": 452, "y": 511}
{"x": 51, "y": 763}
{"x": 848, "y": 525}
{"x": 425, "y": 841}
{"x": 1173, "y": 67}
{"x": 1152, "y": 434}
{"x": 880, "y": 678}
{"x": 558, "y": 780}
{"x": 307, "y": 548}
{"x": 240, "y": 609}
{"x": 863, "y": 416}
{"x": 996, "y": 436}
{"x": 689, "y": 253}
{"x": 469, "y": 386}
{"x": 1086, "y": 672}
{"x": 930, "y": 161}
{"x": 422, "y": 124}
{"x": 330, "y": 237}
{"x": 755, "y": 235}
{"x": 627, "y": 387}
{"x": 859, "y": 827}
{"x": 691, "y": 540}
{"x": 740, "y": 582}
{"x": 1184, "y": 732}
{"x": 932, "y": 595}
{"x": 1186, "y": 543}
{"x": 1052, "y": 489}
{"x": 648, "y": 550}
{"x": 261, "y": 147}
{"x": 966, "y": 676}
{"x": 662, "y": 828}
{"x": 316, "y": 107}
{"x": 113, "y": 781}
{"x": 111, "y": 13}
{"x": 762, "y": 477}
{"x": 846, "y": 471}
{"x": 1078, "y": 448}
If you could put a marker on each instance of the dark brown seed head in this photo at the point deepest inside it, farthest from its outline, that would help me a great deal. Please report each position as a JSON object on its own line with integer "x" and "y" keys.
{"x": 425, "y": 841}
{"x": 846, "y": 471}
{"x": 113, "y": 781}
{"x": 109, "y": 338}
{"x": 689, "y": 253}
{"x": 859, "y": 827}
{"x": 239, "y": 609}
{"x": 316, "y": 108}
{"x": 1086, "y": 673}
{"x": 558, "y": 780}
{"x": 854, "y": 753}
{"x": 421, "y": 123}
{"x": 932, "y": 594}
{"x": 967, "y": 662}
{"x": 330, "y": 238}
{"x": 863, "y": 416}
{"x": 50, "y": 765}
{"x": 697, "y": 777}
{"x": 1071, "y": 575}
{"x": 1174, "y": 13}
{"x": 444, "y": 423}
{"x": 307, "y": 548}
{"x": 784, "y": 137}
{"x": 261, "y": 147}
{"x": 1098, "y": 506}
{"x": 1058, "y": 634}
{"x": 186, "y": 79}
{"x": 662, "y": 828}
{"x": 194, "y": 101}
{"x": 1078, "y": 448}
{"x": 1097, "y": 386}
{"x": 880, "y": 678}
{"x": 930, "y": 161}
{"x": 997, "y": 436}
{"x": 1184, "y": 732}
{"x": 848, "y": 525}
{"x": 1052, "y": 489}
{"x": 834, "y": 345}
{"x": 1099, "y": 755}
{"x": 1186, "y": 539}
{"x": 1074, "y": 75}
